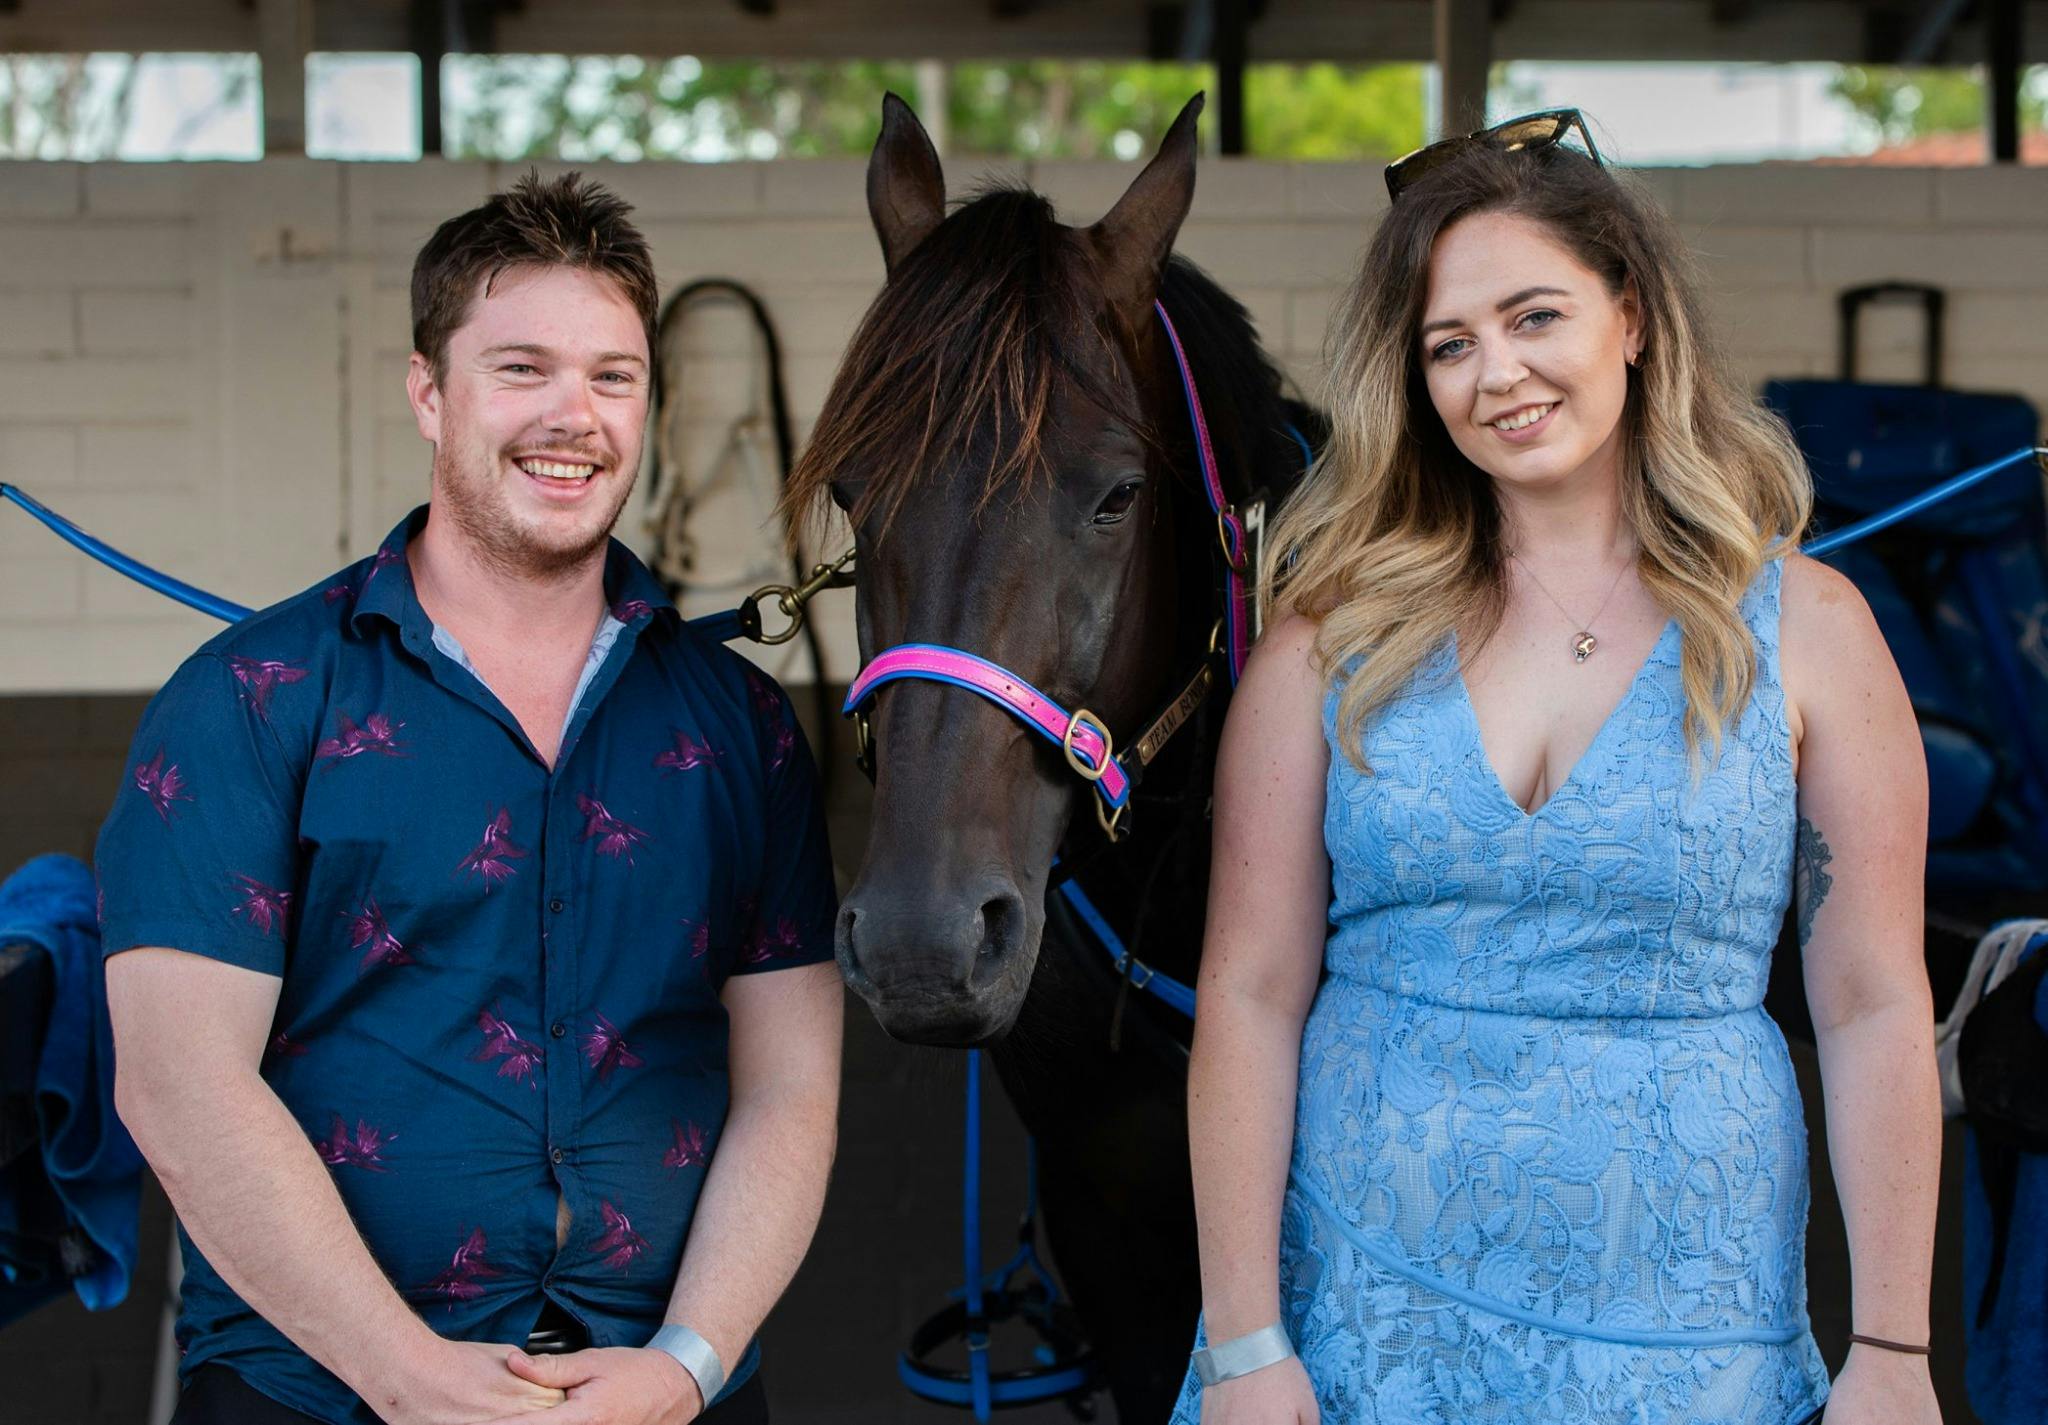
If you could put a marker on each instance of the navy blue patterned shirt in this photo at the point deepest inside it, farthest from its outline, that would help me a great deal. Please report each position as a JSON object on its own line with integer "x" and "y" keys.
{"x": 500, "y": 981}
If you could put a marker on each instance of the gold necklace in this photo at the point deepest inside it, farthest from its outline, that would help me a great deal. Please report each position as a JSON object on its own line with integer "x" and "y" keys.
{"x": 1583, "y": 642}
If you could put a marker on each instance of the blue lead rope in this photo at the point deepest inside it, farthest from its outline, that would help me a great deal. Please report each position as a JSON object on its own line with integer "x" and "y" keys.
{"x": 723, "y": 627}
{"x": 135, "y": 569}
{"x": 1906, "y": 509}
{"x": 977, "y": 1323}
{"x": 981, "y": 1388}
{"x": 977, "y": 1320}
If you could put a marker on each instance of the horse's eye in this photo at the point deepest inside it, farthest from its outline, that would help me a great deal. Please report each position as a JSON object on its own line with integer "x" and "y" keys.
{"x": 841, "y": 496}
{"x": 1117, "y": 503}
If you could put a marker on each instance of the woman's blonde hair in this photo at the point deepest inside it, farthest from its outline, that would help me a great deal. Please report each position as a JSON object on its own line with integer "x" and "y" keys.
{"x": 1395, "y": 540}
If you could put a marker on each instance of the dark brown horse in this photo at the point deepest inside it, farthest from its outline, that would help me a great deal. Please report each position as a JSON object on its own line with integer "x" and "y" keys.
{"x": 1009, "y": 436}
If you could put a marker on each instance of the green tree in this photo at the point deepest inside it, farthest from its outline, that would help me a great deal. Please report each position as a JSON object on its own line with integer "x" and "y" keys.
{"x": 1905, "y": 104}
{"x": 594, "y": 107}
{"x": 1065, "y": 109}
{"x": 1318, "y": 111}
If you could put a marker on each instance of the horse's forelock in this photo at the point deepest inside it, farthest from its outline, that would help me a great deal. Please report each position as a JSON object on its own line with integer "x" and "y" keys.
{"x": 960, "y": 358}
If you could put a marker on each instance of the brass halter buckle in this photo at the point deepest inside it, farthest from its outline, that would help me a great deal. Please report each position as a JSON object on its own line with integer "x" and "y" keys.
{"x": 1080, "y": 718}
{"x": 1113, "y": 823}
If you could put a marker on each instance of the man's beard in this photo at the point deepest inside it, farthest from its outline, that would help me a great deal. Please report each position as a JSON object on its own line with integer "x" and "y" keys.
{"x": 477, "y": 505}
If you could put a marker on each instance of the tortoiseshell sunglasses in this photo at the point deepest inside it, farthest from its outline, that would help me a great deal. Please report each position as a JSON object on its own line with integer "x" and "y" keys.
{"x": 1525, "y": 134}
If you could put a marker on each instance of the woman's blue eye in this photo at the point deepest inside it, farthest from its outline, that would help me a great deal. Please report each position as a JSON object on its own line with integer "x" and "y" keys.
{"x": 1439, "y": 353}
{"x": 1530, "y": 317}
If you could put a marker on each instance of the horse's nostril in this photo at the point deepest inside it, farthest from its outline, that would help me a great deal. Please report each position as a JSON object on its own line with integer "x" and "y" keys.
{"x": 1002, "y": 927}
{"x": 992, "y": 916}
{"x": 847, "y": 944}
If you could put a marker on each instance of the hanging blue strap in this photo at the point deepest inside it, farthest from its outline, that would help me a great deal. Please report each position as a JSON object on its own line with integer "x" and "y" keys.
{"x": 723, "y": 627}
{"x": 1906, "y": 509}
{"x": 135, "y": 569}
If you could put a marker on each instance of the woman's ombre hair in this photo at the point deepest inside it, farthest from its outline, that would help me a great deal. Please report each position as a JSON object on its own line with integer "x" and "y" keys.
{"x": 1395, "y": 539}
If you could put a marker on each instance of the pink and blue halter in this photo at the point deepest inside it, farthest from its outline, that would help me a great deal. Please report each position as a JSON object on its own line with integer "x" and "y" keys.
{"x": 1081, "y": 735}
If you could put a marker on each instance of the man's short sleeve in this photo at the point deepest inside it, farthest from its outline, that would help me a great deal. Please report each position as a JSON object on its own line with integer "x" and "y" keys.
{"x": 793, "y": 915}
{"x": 200, "y": 852}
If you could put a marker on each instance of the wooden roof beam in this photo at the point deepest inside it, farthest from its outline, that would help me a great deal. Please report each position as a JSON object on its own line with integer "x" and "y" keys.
{"x": 1464, "y": 56}
{"x": 2004, "y": 45}
{"x": 284, "y": 37}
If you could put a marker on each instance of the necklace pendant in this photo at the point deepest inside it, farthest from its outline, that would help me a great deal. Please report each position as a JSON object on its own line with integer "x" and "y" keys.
{"x": 1582, "y": 647}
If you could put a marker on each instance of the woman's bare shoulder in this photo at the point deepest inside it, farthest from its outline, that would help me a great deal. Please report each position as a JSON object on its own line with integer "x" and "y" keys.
{"x": 1822, "y": 613}
{"x": 1290, "y": 639}
{"x": 1282, "y": 688}
{"x": 1831, "y": 651}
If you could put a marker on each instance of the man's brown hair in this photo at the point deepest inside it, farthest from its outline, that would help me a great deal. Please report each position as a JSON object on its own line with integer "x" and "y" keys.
{"x": 568, "y": 221}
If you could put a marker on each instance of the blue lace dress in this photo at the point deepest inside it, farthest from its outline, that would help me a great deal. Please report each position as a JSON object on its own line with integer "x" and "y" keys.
{"x": 1549, "y": 1161}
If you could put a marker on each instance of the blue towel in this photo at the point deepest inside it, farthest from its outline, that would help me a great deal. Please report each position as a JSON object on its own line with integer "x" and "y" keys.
{"x": 2006, "y": 1370}
{"x": 82, "y": 1199}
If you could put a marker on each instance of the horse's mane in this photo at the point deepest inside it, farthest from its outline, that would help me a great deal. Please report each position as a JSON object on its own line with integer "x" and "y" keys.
{"x": 962, "y": 352}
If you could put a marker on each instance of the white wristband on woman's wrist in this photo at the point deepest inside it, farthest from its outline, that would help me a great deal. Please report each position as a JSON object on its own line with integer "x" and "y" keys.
{"x": 1240, "y": 1356}
{"x": 695, "y": 1355}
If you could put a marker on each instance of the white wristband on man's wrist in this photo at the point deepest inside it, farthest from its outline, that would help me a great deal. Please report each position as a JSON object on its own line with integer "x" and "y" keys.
{"x": 694, "y": 1354}
{"x": 1240, "y": 1356}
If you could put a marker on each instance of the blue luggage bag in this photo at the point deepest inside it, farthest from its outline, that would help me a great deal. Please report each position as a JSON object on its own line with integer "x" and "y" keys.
{"x": 1960, "y": 591}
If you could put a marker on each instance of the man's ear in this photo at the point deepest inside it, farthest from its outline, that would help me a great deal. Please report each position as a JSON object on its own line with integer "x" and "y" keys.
{"x": 1133, "y": 241}
{"x": 424, "y": 392}
{"x": 906, "y": 189}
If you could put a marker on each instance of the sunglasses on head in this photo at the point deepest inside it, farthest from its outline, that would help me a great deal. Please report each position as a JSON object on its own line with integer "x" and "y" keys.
{"x": 1526, "y": 134}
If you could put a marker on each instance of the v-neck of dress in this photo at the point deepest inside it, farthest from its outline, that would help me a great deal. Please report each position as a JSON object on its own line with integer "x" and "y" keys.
{"x": 1599, "y": 736}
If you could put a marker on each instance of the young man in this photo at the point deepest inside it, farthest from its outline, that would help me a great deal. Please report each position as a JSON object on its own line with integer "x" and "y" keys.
{"x": 474, "y": 919}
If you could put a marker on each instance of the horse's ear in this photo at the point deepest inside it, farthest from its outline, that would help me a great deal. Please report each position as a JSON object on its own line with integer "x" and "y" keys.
{"x": 1134, "y": 240}
{"x": 906, "y": 189}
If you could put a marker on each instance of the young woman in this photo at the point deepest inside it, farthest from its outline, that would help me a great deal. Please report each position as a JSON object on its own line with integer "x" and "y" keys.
{"x": 1552, "y": 726}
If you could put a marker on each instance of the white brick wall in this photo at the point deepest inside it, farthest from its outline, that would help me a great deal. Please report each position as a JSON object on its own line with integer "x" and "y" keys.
{"x": 205, "y": 363}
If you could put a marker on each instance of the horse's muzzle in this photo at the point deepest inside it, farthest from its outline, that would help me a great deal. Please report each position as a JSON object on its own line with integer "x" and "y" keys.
{"x": 951, "y": 973}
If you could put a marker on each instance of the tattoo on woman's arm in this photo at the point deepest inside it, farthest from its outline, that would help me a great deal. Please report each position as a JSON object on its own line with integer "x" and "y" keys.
{"x": 1810, "y": 880}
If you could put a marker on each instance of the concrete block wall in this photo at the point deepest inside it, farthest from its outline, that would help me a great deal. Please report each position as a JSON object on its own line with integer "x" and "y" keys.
{"x": 204, "y": 363}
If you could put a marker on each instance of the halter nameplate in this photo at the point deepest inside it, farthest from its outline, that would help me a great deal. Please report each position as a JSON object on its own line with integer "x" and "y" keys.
{"x": 1177, "y": 713}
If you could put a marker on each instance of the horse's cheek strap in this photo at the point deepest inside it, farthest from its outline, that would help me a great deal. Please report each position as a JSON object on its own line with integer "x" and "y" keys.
{"x": 1010, "y": 693}
{"x": 1230, "y": 528}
